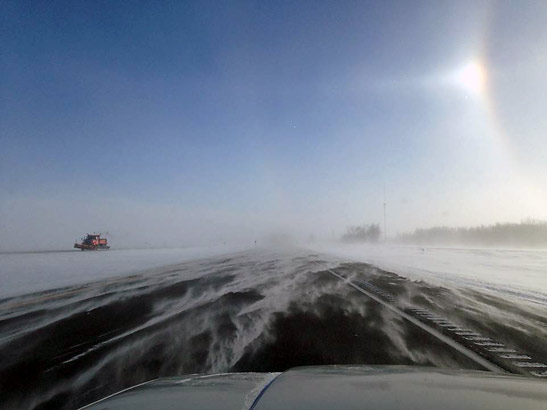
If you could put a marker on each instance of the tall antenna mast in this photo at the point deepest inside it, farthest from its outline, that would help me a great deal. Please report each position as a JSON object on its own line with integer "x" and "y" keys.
{"x": 385, "y": 229}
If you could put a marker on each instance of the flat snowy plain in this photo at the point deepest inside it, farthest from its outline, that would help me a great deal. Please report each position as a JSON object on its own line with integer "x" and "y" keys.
{"x": 512, "y": 274}
{"x": 28, "y": 272}
{"x": 518, "y": 274}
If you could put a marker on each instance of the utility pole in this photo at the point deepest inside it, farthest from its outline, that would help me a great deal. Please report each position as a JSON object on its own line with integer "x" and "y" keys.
{"x": 385, "y": 229}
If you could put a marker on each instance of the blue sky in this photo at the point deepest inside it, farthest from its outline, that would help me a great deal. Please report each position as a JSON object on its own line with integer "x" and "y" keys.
{"x": 241, "y": 118}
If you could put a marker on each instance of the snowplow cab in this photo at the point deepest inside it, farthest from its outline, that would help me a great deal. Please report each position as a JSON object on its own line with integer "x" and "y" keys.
{"x": 92, "y": 242}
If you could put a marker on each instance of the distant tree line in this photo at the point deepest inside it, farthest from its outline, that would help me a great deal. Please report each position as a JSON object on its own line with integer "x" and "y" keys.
{"x": 362, "y": 233}
{"x": 528, "y": 233}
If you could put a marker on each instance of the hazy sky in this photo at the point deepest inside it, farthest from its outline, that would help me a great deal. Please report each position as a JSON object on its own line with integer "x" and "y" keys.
{"x": 207, "y": 121}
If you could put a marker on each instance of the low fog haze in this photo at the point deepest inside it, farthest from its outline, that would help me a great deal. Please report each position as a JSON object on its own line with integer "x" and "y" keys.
{"x": 197, "y": 123}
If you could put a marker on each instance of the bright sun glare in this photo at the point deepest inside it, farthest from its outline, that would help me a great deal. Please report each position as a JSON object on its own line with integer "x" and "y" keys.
{"x": 471, "y": 77}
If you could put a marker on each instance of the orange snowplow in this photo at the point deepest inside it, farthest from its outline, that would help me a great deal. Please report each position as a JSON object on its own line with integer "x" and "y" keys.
{"x": 92, "y": 242}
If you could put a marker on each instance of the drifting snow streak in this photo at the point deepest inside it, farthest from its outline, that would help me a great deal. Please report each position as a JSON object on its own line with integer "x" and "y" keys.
{"x": 472, "y": 355}
{"x": 254, "y": 311}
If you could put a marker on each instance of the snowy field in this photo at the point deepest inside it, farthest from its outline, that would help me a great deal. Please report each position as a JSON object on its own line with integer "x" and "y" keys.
{"x": 22, "y": 273}
{"x": 512, "y": 274}
{"x": 509, "y": 273}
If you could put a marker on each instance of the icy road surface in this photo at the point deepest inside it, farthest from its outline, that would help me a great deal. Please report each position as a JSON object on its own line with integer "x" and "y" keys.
{"x": 259, "y": 310}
